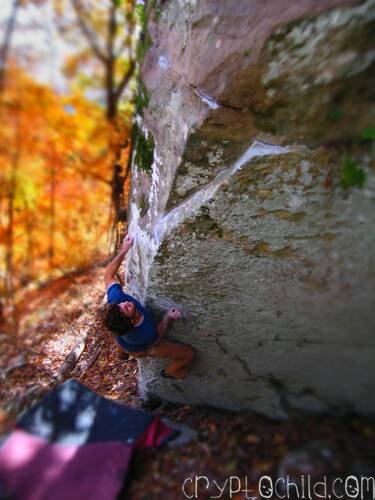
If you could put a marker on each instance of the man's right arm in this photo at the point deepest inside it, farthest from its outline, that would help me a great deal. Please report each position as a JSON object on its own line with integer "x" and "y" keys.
{"x": 113, "y": 266}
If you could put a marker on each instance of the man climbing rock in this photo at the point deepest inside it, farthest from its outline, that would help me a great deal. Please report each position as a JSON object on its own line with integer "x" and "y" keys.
{"x": 133, "y": 327}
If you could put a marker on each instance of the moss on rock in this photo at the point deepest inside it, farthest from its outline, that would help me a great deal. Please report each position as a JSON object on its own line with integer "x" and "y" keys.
{"x": 142, "y": 98}
{"x": 144, "y": 149}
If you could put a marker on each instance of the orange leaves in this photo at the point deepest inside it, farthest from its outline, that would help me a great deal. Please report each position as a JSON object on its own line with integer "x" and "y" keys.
{"x": 64, "y": 150}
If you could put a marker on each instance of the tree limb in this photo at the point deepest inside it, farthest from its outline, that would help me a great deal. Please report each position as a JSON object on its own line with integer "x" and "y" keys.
{"x": 125, "y": 80}
{"x": 112, "y": 28}
{"x": 88, "y": 33}
{"x": 127, "y": 39}
{"x": 72, "y": 358}
{"x": 93, "y": 175}
{"x": 122, "y": 47}
{"x": 91, "y": 361}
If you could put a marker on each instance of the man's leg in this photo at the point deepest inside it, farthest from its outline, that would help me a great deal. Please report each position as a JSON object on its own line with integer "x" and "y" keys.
{"x": 181, "y": 355}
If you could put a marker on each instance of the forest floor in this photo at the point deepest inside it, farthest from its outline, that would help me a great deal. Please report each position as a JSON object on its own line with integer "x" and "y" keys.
{"x": 229, "y": 444}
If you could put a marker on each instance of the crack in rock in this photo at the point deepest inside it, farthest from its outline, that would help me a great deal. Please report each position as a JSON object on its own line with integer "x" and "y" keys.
{"x": 244, "y": 366}
{"x": 207, "y": 99}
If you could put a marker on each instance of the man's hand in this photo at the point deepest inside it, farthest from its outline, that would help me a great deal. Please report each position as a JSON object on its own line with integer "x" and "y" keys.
{"x": 174, "y": 314}
{"x": 112, "y": 268}
{"x": 127, "y": 243}
{"x": 170, "y": 315}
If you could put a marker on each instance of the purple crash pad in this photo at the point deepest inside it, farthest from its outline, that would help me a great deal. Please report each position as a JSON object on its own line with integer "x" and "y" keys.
{"x": 74, "y": 444}
{"x": 33, "y": 469}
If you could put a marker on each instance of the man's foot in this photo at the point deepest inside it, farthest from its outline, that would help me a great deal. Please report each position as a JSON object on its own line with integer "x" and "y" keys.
{"x": 165, "y": 375}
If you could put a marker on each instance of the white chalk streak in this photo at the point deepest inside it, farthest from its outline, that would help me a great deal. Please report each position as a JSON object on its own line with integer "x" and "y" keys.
{"x": 188, "y": 207}
{"x": 211, "y": 103}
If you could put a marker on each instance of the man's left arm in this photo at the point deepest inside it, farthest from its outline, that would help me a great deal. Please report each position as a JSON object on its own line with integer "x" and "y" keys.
{"x": 112, "y": 268}
{"x": 171, "y": 315}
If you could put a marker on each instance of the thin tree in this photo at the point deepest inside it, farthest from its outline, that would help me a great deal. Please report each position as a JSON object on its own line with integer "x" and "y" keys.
{"x": 110, "y": 50}
{"x": 8, "y": 33}
{"x": 11, "y": 196}
{"x": 109, "y": 46}
{"x": 5, "y": 46}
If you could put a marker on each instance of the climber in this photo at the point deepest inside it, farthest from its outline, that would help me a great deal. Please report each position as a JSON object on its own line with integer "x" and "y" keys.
{"x": 133, "y": 327}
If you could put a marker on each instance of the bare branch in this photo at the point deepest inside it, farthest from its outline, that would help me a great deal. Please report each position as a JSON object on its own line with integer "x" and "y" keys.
{"x": 125, "y": 80}
{"x": 127, "y": 40}
{"x": 72, "y": 358}
{"x": 122, "y": 47}
{"x": 112, "y": 28}
{"x": 93, "y": 175}
{"x": 88, "y": 32}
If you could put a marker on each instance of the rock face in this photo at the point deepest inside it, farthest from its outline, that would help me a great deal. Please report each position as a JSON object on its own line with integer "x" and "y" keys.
{"x": 253, "y": 200}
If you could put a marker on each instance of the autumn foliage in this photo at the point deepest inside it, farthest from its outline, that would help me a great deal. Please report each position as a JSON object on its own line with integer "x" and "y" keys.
{"x": 56, "y": 180}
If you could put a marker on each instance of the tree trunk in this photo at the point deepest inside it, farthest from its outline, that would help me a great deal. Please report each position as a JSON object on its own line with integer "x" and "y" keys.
{"x": 9, "y": 269}
{"x": 110, "y": 66}
{"x": 9, "y": 250}
{"x": 15, "y": 156}
{"x": 28, "y": 218}
{"x": 6, "y": 43}
{"x": 51, "y": 250}
{"x": 111, "y": 98}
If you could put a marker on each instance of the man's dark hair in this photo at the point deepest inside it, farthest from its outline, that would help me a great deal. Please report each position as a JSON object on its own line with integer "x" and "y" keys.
{"x": 115, "y": 321}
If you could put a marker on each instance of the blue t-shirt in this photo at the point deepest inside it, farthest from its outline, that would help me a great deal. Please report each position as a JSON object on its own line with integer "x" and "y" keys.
{"x": 140, "y": 337}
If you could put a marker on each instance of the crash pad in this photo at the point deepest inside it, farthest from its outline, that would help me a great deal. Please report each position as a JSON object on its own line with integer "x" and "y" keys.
{"x": 34, "y": 469}
{"x": 76, "y": 444}
{"x": 73, "y": 414}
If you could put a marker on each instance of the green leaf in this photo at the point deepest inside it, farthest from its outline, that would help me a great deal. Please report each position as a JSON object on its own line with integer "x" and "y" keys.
{"x": 335, "y": 114}
{"x": 352, "y": 175}
{"x": 368, "y": 134}
{"x": 140, "y": 10}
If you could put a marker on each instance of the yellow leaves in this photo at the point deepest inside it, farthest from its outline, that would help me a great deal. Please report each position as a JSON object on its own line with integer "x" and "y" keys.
{"x": 63, "y": 148}
{"x": 74, "y": 61}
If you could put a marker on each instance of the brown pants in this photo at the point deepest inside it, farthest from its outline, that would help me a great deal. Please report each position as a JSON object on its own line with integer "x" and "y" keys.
{"x": 180, "y": 355}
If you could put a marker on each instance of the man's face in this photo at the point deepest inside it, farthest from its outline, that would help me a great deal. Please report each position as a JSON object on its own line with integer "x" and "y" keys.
{"x": 127, "y": 308}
